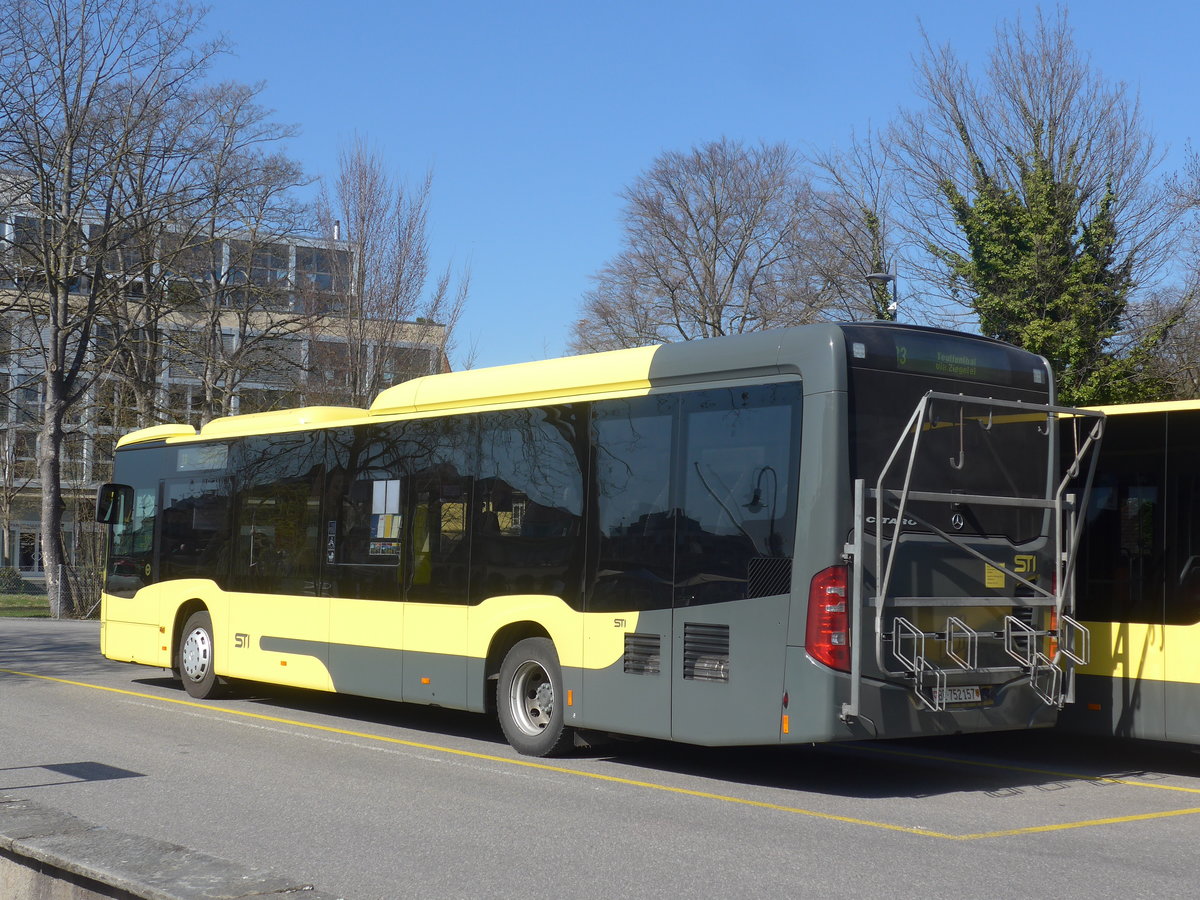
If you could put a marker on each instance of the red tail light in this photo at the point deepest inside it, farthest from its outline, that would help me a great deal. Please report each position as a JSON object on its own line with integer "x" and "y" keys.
{"x": 827, "y": 637}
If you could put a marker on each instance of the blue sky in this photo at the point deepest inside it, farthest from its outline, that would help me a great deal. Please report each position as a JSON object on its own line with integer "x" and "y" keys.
{"x": 534, "y": 116}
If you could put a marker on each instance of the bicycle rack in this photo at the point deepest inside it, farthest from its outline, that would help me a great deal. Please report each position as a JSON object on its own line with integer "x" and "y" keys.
{"x": 905, "y": 644}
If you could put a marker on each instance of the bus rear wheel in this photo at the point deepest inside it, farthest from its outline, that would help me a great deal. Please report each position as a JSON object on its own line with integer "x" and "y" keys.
{"x": 196, "y": 657}
{"x": 529, "y": 699}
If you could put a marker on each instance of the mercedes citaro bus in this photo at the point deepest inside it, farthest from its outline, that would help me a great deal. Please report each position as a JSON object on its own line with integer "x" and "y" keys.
{"x": 819, "y": 533}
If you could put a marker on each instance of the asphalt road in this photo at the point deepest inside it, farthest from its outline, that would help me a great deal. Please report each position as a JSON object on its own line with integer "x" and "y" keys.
{"x": 374, "y": 800}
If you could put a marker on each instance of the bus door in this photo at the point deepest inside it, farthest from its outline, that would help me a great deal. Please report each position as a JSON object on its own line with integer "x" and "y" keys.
{"x": 1181, "y": 632}
{"x": 131, "y": 617}
{"x": 628, "y": 633}
{"x": 437, "y": 559}
{"x": 1120, "y": 584}
{"x": 278, "y": 623}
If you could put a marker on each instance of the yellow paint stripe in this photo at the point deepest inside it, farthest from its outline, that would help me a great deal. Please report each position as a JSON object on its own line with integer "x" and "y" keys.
{"x": 1087, "y": 823}
{"x": 613, "y": 779}
{"x": 1004, "y": 767}
{"x": 526, "y": 763}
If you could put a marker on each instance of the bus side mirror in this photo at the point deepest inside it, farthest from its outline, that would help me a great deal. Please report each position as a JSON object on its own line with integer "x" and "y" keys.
{"x": 114, "y": 504}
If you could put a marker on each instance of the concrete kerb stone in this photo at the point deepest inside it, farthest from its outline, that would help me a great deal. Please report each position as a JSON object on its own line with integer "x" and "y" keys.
{"x": 142, "y": 867}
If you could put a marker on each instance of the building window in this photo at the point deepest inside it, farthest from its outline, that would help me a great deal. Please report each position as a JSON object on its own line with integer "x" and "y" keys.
{"x": 321, "y": 269}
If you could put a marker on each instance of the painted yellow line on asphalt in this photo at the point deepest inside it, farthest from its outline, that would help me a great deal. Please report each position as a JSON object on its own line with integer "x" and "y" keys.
{"x": 614, "y": 779}
{"x": 1087, "y": 823}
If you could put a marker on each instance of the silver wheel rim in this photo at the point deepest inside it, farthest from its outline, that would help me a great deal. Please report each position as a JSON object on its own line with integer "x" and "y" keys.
{"x": 531, "y": 698}
{"x": 197, "y": 655}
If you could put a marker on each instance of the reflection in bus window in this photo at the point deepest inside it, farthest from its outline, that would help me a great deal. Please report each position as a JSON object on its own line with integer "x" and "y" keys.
{"x": 278, "y": 510}
{"x": 1122, "y": 554}
{"x": 636, "y": 559}
{"x": 131, "y": 554}
{"x": 438, "y": 556}
{"x": 363, "y": 525}
{"x": 195, "y": 529}
{"x": 738, "y": 515}
{"x": 528, "y": 518}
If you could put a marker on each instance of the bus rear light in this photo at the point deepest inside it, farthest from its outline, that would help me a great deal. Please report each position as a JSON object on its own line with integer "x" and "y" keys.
{"x": 827, "y": 637}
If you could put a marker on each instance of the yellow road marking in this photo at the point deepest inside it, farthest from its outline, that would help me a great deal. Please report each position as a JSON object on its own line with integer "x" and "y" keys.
{"x": 614, "y": 779}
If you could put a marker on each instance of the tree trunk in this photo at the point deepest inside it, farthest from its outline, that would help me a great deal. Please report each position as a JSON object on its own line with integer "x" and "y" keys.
{"x": 58, "y": 586}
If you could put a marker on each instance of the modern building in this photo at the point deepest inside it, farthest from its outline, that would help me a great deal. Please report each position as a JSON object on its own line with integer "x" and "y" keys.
{"x": 285, "y": 317}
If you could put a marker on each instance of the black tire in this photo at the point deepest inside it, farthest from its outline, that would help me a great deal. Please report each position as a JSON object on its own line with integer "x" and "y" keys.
{"x": 196, "y": 657}
{"x": 530, "y": 700}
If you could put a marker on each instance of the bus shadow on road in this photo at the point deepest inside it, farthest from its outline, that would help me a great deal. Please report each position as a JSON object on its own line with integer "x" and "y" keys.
{"x": 998, "y": 764}
{"x": 995, "y": 764}
{"x": 345, "y": 710}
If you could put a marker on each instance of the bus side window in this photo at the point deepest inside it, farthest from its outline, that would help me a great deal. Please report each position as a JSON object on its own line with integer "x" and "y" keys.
{"x": 1183, "y": 521}
{"x": 195, "y": 529}
{"x": 1123, "y": 554}
{"x": 131, "y": 554}
{"x": 634, "y": 522}
{"x": 527, "y": 528}
{"x": 278, "y": 510}
{"x": 440, "y": 466}
{"x": 363, "y": 525}
{"x": 737, "y": 529}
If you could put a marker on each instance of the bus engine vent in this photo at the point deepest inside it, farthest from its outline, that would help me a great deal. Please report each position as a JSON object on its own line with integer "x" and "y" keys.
{"x": 768, "y": 576}
{"x": 643, "y": 653}
{"x": 705, "y": 652}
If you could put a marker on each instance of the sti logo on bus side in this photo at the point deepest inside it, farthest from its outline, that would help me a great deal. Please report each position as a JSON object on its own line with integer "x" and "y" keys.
{"x": 241, "y": 640}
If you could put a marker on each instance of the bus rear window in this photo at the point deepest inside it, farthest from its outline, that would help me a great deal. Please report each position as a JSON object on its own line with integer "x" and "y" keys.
{"x": 964, "y": 448}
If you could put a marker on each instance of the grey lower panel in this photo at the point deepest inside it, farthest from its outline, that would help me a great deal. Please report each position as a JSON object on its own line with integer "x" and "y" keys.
{"x": 705, "y": 674}
{"x": 1134, "y": 708}
{"x": 1183, "y": 712}
{"x": 633, "y": 696}
{"x": 368, "y": 671}
{"x": 431, "y": 678}
{"x": 435, "y": 678}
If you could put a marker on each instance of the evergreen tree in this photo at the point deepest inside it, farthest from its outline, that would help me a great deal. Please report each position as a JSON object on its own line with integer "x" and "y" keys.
{"x": 1040, "y": 274}
{"x": 1035, "y": 191}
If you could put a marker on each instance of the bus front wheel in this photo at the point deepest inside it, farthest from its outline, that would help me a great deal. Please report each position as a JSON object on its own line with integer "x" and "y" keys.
{"x": 196, "y": 657}
{"x": 529, "y": 699}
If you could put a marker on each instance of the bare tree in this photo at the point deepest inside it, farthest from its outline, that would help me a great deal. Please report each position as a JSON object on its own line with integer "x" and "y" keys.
{"x": 235, "y": 302}
{"x": 854, "y": 235}
{"x": 162, "y": 177}
{"x": 79, "y": 78}
{"x": 714, "y": 244}
{"x": 387, "y": 320}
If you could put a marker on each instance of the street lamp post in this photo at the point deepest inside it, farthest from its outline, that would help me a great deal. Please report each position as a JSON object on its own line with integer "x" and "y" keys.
{"x": 884, "y": 277}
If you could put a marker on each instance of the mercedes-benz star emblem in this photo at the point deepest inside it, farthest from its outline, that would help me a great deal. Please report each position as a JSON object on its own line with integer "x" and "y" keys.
{"x": 957, "y": 521}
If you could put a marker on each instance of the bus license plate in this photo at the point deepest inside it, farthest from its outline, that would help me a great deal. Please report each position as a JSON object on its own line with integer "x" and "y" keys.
{"x": 957, "y": 695}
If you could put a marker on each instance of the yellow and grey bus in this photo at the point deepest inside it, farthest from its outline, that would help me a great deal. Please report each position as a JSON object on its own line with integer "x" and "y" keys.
{"x": 821, "y": 533}
{"x": 1139, "y": 578}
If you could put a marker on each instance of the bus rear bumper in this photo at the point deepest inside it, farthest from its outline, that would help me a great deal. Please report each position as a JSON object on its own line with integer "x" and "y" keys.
{"x": 816, "y": 695}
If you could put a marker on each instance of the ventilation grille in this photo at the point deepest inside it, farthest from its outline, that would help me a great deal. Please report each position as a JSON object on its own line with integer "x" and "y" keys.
{"x": 643, "y": 654}
{"x": 705, "y": 652}
{"x": 767, "y": 576}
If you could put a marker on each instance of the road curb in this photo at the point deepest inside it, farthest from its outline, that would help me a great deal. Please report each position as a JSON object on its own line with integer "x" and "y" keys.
{"x": 40, "y": 846}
